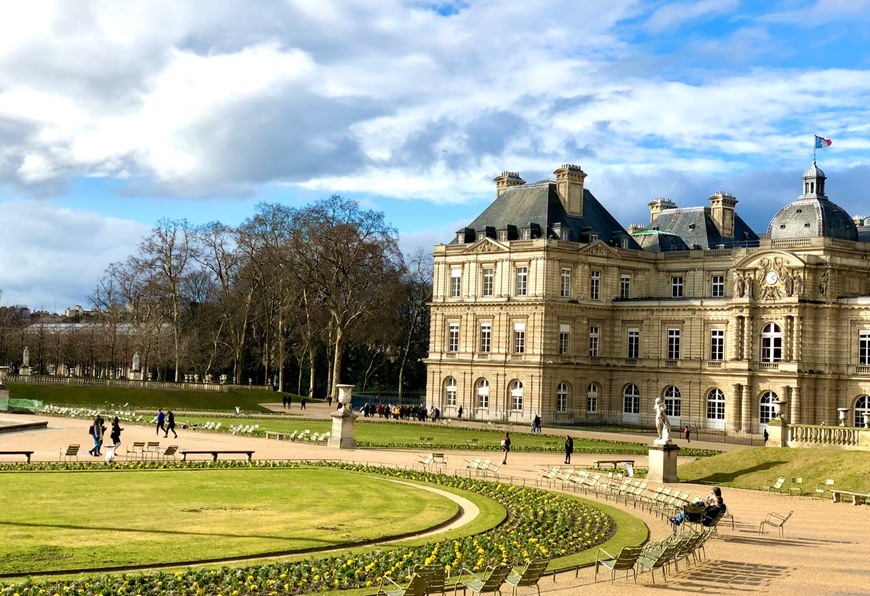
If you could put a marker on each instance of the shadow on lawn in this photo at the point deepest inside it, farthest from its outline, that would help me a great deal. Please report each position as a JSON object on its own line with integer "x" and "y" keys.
{"x": 728, "y": 477}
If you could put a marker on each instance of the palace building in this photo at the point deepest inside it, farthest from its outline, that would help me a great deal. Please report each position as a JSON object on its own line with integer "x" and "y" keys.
{"x": 545, "y": 305}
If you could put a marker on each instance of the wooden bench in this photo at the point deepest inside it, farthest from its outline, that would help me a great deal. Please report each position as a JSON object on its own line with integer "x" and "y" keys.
{"x": 214, "y": 453}
{"x": 837, "y": 495}
{"x": 26, "y": 454}
{"x": 614, "y": 462}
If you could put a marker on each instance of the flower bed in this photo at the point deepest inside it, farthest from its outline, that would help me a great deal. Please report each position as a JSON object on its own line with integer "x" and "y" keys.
{"x": 539, "y": 524}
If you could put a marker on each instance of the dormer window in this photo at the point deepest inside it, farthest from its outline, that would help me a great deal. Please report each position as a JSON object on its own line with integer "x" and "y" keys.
{"x": 593, "y": 236}
{"x": 526, "y": 234}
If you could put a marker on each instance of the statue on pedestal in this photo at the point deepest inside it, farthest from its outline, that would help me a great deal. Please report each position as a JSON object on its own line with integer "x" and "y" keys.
{"x": 663, "y": 425}
{"x": 136, "y": 362}
{"x": 25, "y": 357}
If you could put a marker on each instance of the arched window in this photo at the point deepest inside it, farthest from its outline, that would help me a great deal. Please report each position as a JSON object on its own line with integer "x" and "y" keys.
{"x": 716, "y": 405}
{"x": 765, "y": 406}
{"x": 631, "y": 399}
{"x": 862, "y": 406}
{"x": 517, "y": 395}
{"x": 672, "y": 401}
{"x": 771, "y": 343}
{"x": 592, "y": 397}
{"x": 450, "y": 391}
{"x": 483, "y": 393}
{"x": 562, "y": 397}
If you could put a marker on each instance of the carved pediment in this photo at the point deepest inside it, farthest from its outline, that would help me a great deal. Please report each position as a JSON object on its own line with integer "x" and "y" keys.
{"x": 769, "y": 275}
{"x": 599, "y": 248}
{"x": 485, "y": 245}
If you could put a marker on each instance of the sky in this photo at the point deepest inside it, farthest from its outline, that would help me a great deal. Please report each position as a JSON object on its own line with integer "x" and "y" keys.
{"x": 114, "y": 115}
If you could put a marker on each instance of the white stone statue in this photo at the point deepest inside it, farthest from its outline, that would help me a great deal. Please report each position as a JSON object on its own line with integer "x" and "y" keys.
{"x": 663, "y": 425}
{"x": 25, "y": 357}
{"x": 136, "y": 362}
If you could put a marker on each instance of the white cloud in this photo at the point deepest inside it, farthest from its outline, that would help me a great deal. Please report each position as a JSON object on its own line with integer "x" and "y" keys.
{"x": 52, "y": 258}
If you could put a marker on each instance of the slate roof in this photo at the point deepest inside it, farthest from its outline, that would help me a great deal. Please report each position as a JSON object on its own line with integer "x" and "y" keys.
{"x": 812, "y": 217}
{"x": 695, "y": 229}
{"x": 539, "y": 203}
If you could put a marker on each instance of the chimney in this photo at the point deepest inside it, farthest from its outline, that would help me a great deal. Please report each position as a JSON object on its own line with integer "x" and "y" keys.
{"x": 722, "y": 211}
{"x": 569, "y": 185}
{"x": 657, "y": 205}
{"x": 505, "y": 181}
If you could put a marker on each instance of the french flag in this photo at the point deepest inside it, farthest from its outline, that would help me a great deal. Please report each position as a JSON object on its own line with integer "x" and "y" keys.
{"x": 822, "y": 142}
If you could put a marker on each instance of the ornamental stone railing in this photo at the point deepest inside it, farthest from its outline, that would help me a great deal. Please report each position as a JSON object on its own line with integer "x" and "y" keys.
{"x": 820, "y": 437}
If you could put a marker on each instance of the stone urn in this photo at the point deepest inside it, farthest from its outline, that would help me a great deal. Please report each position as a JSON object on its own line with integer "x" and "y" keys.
{"x": 841, "y": 412}
{"x": 866, "y": 417}
{"x": 779, "y": 408}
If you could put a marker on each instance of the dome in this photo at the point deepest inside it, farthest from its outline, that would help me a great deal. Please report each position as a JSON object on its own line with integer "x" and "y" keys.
{"x": 812, "y": 218}
{"x": 812, "y": 215}
{"x": 814, "y": 172}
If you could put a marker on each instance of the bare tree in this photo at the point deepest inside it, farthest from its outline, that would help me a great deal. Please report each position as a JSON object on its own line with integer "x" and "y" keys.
{"x": 167, "y": 254}
{"x": 346, "y": 257}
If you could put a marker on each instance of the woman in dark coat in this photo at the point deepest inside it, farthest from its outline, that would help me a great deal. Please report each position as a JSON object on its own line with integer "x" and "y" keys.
{"x": 569, "y": 448}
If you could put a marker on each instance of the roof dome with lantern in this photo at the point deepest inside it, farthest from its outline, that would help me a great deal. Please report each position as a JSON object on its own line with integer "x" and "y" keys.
{"x": 812, "y": 215}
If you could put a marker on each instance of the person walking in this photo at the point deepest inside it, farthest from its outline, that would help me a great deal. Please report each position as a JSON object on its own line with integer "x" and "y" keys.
{"x": 460, "y": 413}
{"x": 688, "y": 432}
{"x": 170, "y": 424}
{"x": 506, "y": 446}
{"x": 161, "y": 421}
{"x": 303, "y": 402}
{"x": 115, "y": 435}
{"x": 569, "y": 448}
{"x": 96, "y": 432}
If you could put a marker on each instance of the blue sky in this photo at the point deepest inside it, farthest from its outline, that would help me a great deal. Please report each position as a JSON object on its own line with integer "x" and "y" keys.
{"x": 113, "y": 116}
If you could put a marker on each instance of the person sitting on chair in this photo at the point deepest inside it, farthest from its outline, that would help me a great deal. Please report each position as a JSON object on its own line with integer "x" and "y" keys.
{"x": 714, "y": 504}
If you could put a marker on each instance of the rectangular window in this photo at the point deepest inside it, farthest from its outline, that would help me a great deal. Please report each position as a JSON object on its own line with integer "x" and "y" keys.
{"x": 864, "y": 348}
{"x": 485, "y": 337}
{"x": 633, "y": 350}
{"x": 455, "y": 282}
{"x": 453, "y": 337}
{"x": 564, "y": 338}
{"x": 673, "y": 344}
{"x": 717, "y": 286}
{"x": 566, "y": 282}
{"x": 522, "y": 281}
{"x": 488, "y": 279}
{"x": 717, "y": 344}
{"x": 595, "y": 286}
{"x": 593, "y": 341}
{"x": 625, "y": 287}
{"x": 677, "y": 286}
{"x": 519, "y": 338}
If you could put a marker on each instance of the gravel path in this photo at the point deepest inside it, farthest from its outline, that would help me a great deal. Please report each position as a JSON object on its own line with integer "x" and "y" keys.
{"x": 819, "y": 554}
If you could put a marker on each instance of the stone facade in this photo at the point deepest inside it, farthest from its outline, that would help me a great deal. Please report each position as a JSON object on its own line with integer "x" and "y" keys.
{"x": 570, "y": 318}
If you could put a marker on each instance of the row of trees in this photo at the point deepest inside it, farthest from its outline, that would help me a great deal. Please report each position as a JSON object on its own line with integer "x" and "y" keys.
{"x": 303, "y": 298}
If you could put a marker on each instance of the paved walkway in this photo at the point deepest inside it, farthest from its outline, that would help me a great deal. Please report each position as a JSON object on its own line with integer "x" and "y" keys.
{"x": 823, "y": 550}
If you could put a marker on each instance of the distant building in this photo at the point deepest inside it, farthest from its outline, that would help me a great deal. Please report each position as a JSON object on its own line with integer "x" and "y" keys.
{"x": 545, "y": 304}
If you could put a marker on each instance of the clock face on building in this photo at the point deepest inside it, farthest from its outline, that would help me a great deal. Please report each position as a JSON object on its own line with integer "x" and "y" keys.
{"x": 771, "y": 277}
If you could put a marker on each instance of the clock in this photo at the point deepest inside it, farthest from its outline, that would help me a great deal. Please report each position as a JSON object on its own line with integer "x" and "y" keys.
{"x": 771, "y": 277}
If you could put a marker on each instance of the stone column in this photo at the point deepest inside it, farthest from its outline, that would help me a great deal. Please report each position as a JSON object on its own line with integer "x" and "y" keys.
{"x": 745, "y": 409}
{"x": 795, "y": 409}
{"x": 734, "y": 408}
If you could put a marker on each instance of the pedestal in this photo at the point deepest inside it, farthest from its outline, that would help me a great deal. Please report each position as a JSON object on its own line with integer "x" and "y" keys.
{"x": 341, "y": 436}
{"x": 136, "y": 375}
{"x": 24, "y": 371}
{"x": 663, "y": 463}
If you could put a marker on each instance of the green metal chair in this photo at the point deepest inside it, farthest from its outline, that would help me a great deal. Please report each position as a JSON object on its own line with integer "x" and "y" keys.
{"x": 624, "y": 561}
{"x": 487, "y": 584}
{"x": 527, "y": 576}
{"x": 416, "y": 587}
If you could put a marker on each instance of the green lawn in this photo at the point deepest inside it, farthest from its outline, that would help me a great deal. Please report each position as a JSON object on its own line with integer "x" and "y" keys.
{"x": 145, "y": 399}
{"x": 71, "y": 520}
{"x": 750, "y": 467}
